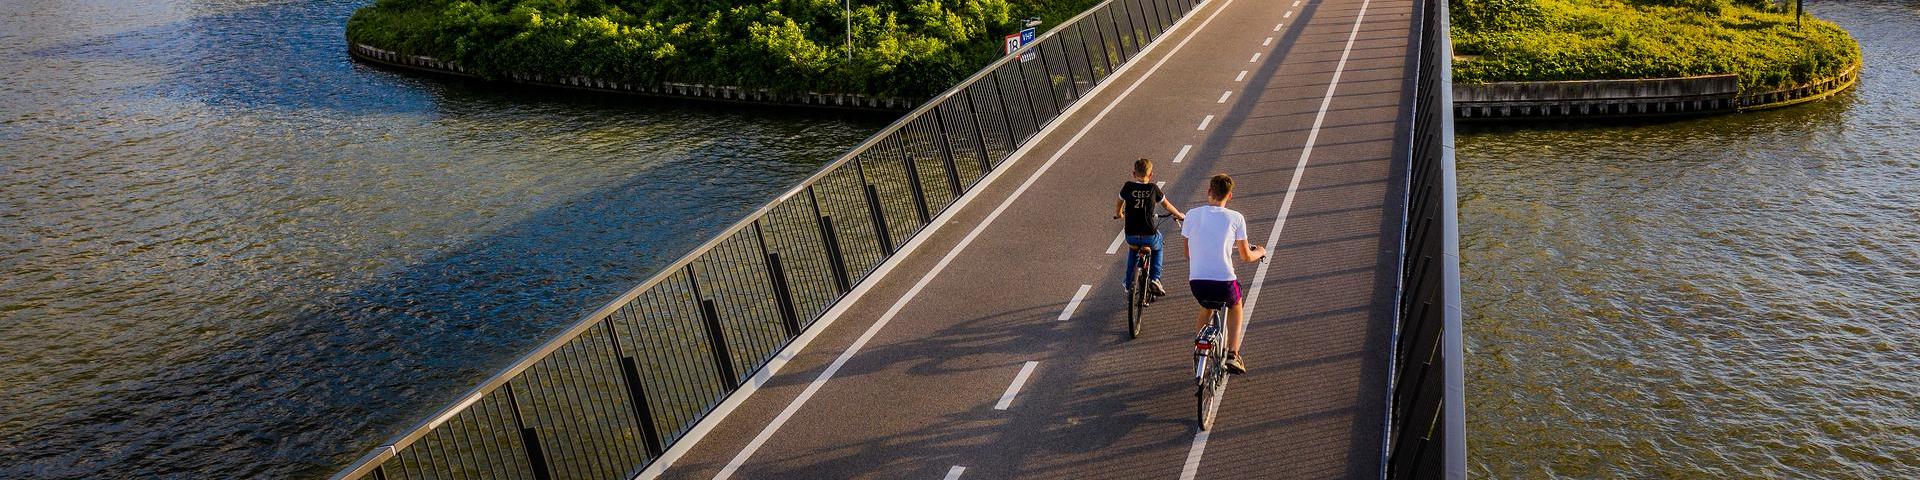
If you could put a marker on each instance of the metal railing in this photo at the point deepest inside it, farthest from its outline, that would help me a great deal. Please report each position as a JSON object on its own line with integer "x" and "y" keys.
{"x": 1426, "y": 435}
{"x": 610, "y": 393}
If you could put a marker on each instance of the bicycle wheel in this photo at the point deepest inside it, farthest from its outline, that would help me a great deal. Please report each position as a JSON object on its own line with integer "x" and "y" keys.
{"x": 1201, "y": 399}
{"x": 1137, "y": 304}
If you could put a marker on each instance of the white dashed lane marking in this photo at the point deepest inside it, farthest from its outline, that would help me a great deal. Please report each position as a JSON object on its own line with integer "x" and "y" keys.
{"x": 1074, "y": 304}
{"x": 1006, "y": 399}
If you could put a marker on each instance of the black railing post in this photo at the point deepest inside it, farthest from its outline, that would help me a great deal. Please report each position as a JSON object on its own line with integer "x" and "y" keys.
{"x": 1006, "y": 114}
{"x": 1026, "y": 85}
{"x": 946, "y": 153}
{"x": 1099, "y": 41}
{"x": 980, "y": 135}
{"x": 630, "y": 370}
{"x": 1046, "y": 78}
{"x": 833, "y": 255}
{"x": 722, "y": 356}
{"x": 636, "y": 393}
{"x": 380, "y": 473}
{"x": 529, "y": 440}
{"x": 1066, "y": 55}
{"x": 783, "y": 295}
{"x": 913, "y": 178}
{"x": 879, "y": 221}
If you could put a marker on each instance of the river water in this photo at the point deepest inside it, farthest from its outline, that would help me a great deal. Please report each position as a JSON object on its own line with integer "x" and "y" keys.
{"x": 231, "y": 252}
{"x": 1724, "y": 297}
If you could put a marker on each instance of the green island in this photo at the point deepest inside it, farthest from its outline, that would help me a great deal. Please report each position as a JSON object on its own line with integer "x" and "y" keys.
{"x": 901, "y": 48}
{"x": 1543, "y": 40}
{"x": 916, "y": 48}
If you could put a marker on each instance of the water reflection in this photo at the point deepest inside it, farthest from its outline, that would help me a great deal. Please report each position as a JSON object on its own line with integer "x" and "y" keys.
{"x": 1705, "y": 298}
{"x": 230, "y": 251}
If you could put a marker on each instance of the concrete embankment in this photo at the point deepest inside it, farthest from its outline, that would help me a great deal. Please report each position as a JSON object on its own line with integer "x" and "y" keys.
{"x": 1582, "y": 99}
{"x": 370, "y": 54}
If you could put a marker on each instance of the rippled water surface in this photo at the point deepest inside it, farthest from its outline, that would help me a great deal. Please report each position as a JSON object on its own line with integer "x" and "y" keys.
{"x": 1725, "y": 297}
{"x": 231, "y": 252}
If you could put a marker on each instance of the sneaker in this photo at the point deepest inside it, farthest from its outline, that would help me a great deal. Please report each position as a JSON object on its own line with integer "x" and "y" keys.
{"x": 1233, "y": 364}
{"x": 1156, "y": 289}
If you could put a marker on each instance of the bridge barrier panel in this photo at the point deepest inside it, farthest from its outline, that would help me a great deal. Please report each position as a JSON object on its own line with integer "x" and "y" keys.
{"x": 607, "y": 395}
{"x": 1425, "y": 436}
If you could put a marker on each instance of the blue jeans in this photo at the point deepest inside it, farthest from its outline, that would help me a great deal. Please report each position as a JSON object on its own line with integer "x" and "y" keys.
{"x": 1144, "y": 241}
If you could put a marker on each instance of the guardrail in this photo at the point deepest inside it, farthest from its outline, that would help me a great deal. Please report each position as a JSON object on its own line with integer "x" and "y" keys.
{"x": 607, "y": 395}
{"x": 1426, "y": 419}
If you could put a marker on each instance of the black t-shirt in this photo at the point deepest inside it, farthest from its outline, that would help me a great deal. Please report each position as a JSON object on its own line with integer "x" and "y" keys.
{"x": 1140, "y": 198}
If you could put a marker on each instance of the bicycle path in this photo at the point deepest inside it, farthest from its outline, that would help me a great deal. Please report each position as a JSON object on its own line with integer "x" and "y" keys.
{"x": 919, "y": 363}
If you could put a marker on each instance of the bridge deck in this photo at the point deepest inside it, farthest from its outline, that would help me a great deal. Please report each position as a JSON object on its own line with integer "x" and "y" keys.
{"x": 982, "y": 296}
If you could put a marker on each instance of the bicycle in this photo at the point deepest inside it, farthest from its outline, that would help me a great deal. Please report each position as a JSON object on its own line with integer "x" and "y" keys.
{"x": 1210, "y": 364}
{"x": 1138, "y": 296}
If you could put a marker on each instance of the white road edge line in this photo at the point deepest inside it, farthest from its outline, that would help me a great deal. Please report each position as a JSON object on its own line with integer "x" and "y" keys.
{"x": 1223, "y": 96}
{"x": 954, "y": 473}
{"x": 1204, "y": 122}
{"x": 1241, "y": 76}
{"x": 726, "y": 407}
{"x": 1019, "y": 379}
{"x": 1256, "y": 57}
{"x": 1183, "y": 153}
{"x": 1074, "y": 304}
{"x": 1192, "y": 467}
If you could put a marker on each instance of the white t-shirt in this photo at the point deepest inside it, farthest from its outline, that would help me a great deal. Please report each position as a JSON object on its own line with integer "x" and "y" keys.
{"x": 1210, "y": 232}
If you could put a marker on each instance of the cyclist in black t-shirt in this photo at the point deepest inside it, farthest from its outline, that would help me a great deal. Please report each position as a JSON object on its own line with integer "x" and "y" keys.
{"x": 1137, "y": 199}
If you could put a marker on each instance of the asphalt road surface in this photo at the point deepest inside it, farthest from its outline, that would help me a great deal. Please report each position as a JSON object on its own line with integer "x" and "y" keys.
{"x": 997, "y": 348}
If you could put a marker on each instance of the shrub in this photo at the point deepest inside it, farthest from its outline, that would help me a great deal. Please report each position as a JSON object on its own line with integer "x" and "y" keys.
{"x": 908, "y": 48}
{"x": 1540, "y": 40}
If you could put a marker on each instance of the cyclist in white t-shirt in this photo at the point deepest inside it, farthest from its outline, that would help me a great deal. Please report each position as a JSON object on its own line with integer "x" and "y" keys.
{"x": 1214, "y": 234}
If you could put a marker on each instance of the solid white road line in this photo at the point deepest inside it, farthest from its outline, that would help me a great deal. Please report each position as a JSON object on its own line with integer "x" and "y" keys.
{"x": 1006, "y": 399}
{"x": 1183, "y": 153}
{"x": 1223, "y": 96}
{"x": 1256, "y": 57}
{"x": 1241, "y": 76}
{"x": 1204, "y": 122}
{"x": 1192, "y": 467}
{"x": 659, "y": 466}
{"x": 954, "y": 473}
{"x": 1117, "y": 240}
{"x": 1074, "y": 304}
{"x": 1269, "y": 42}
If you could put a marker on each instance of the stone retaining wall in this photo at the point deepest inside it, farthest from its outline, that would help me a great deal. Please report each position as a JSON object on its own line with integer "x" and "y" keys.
{"x": 1628, "y": 98}
{"x": 370, "y": 54}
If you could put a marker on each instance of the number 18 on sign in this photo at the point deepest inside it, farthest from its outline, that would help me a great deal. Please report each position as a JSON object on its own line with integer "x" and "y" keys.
{"x": 1016, "y": 40}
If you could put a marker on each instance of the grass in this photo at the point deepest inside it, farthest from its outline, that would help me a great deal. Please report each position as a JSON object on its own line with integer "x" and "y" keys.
{"x": 1543, "y": 40}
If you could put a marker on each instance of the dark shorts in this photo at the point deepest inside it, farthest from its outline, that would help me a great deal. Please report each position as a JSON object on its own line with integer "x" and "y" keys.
{"x": 1215, "y": 291}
